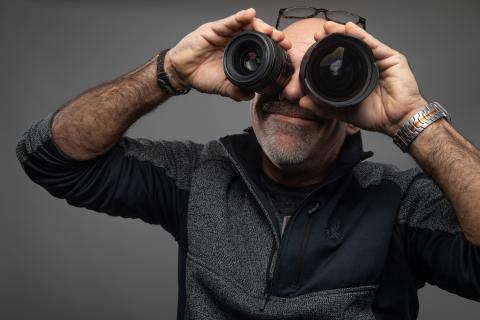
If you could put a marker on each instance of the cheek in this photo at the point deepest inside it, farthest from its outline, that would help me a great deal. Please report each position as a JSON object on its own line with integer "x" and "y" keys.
{"x": 255, "y": 118}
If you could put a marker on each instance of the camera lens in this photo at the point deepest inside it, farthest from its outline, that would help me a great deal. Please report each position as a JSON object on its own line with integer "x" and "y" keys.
{"x": 255, "y": 62}
{"x": 251, "y": 60}
{"x": 339, "y": 71}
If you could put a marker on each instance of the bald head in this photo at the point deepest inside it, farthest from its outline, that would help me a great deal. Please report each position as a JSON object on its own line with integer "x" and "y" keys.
{"x": 301, "y": 32}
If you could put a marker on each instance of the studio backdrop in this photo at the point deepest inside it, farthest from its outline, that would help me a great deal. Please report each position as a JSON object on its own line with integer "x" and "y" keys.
{"x": 61, "y": 262}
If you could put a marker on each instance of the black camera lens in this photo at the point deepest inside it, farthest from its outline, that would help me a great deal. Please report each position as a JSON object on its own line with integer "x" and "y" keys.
{"x": 255, "y": 62}
{"x": 339, "y": 71}
{"x": 251, "y": 60}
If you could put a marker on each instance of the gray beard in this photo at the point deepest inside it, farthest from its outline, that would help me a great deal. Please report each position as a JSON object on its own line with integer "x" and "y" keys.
{"x": 288, "y": 155}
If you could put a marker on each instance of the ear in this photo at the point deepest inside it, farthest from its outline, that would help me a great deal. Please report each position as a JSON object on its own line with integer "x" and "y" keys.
{"x": 351, "y": 129}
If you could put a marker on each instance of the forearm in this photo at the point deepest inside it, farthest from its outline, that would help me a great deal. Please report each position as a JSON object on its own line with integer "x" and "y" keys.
{"x": 454, "y": 163}
{"x": 93, "y": 122}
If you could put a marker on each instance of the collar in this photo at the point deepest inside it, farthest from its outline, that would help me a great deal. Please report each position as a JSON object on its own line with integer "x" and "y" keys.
{"x": 245, "y": 153}
{"x": 351, "y": 152}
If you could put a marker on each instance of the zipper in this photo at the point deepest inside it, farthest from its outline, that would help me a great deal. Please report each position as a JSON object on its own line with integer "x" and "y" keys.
{"x": 277, "y": 237}
{"x": 268, "y": 279}
{"x": 274, "y": 226}
{"x": 244, "y": 175}
{"x": 310, "y": 212}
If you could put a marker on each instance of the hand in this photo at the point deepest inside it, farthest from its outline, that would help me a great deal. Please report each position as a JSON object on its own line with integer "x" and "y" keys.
{"x": 196, "y": 61}
{"x": 396, "y": 97}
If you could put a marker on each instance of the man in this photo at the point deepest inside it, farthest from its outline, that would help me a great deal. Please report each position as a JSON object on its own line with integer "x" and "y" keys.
{"x": 285, "y": 221}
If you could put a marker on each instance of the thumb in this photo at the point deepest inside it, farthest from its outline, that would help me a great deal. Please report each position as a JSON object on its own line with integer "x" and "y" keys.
{"x": 238, "y": 94}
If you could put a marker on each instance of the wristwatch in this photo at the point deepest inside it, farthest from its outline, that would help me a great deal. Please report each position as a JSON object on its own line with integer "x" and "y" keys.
{"x": 421, "y": 120}
{"x": 162, "y": 77}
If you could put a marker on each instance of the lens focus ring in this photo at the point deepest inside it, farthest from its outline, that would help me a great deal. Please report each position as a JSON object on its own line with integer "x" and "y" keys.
{"x": 255, "y": 62}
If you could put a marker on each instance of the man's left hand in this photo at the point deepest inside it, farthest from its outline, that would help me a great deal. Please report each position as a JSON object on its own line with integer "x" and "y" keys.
{"x": 396, "y": 97}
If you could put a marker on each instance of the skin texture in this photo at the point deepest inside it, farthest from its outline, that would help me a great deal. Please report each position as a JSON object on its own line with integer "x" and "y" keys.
{"x": 90, "y": 124}
{"x": 300, "y": 140}
{"x": 299, "y": 145}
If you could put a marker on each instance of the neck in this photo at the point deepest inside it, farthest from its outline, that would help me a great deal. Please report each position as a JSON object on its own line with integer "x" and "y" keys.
{"x": 315, "y": 170}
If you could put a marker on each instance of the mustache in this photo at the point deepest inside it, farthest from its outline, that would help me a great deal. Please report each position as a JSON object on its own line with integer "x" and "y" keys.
{"x": 290, "y": 110}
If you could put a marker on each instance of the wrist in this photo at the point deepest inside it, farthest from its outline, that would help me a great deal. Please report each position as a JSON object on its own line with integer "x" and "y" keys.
{"x": 416, "y": 125}
{"x": 172, "y": 74}
{"x": 414, "y": 108}
{"x": 431, "y": 133}
{"x": 146, "y": 76}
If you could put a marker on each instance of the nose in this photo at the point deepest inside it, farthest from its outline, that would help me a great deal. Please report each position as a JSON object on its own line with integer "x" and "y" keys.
{"x": 293, "y": 90}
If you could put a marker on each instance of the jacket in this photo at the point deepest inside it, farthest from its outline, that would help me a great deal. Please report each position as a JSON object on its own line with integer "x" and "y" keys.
{"x": 359, "y": 246}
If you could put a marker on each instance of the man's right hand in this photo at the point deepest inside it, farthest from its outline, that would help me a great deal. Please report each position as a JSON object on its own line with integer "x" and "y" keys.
{"x": 90, "y": 124}
{"x": 196, "y": 61}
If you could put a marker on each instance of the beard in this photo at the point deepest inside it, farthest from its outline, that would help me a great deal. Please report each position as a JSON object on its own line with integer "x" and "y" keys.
{"x": 288, "y": 154}
{"x": 287, "y": 144}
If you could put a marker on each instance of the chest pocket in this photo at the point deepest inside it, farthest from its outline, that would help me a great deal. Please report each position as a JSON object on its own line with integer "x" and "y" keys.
{"x": 337, "y": 244}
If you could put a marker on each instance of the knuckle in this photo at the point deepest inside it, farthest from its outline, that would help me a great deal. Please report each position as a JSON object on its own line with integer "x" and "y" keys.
{"x": 398, "y": 60}
{"x": 212, "y": 24}
{"x": 402, "y": 57}
{"x": 204, "y": 27}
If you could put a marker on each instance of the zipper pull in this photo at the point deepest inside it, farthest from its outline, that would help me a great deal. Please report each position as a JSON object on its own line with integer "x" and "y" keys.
{"x": 313, "y": 209}
{"x": 266, "y": 298}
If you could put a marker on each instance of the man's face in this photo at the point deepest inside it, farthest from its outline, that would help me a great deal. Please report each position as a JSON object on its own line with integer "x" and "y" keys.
{"x": 290, "y": 135}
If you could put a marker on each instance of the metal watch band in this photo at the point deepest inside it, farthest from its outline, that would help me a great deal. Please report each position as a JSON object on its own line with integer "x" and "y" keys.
{"x": 416, "y": 124}
{"x": 162, "y": 77}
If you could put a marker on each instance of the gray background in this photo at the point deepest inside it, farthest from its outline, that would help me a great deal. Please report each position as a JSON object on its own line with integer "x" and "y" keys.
{"x": 60, "y": 262}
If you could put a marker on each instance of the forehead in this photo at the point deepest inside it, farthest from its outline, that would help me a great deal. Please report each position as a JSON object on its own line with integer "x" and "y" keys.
{"x": 301, "y": 32}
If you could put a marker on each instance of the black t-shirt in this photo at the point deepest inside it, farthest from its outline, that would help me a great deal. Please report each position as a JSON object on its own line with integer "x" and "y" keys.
{"x": 286, "y": 200}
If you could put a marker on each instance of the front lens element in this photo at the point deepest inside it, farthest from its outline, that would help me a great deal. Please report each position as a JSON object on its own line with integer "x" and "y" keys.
{"x": 251, "y": 60}
{"x": 255, "y": 62}
{"x": 339, "y": 73}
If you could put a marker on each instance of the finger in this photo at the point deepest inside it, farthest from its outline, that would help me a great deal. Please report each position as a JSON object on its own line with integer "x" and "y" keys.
{"x": 329, "y": 27}
{"x": 239, "y": 94}
{"x": 277, "y": 35}
{"x": 260, "y": 26}
{"x": 286, "y": 44}
{"x": 379, "y": 49}
{"x": 245, "y": 20}
{"x": 229, "y": 26}
{"x": 319, "y": 35}
{"x": 389, "y": 62}
{"x": 333, "y": 27}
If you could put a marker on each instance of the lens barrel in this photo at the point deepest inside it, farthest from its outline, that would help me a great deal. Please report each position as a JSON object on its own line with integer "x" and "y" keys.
{"x": 255, "y": 62}
{"x": 339, "y": 71}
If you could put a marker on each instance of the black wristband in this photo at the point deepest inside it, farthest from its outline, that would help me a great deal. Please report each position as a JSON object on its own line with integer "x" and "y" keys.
{"x": 162, "y": 77}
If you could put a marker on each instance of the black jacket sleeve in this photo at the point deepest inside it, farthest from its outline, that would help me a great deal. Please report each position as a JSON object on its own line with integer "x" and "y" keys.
{"x": 137, "y": 178}
{"x": 437, "y": 249}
